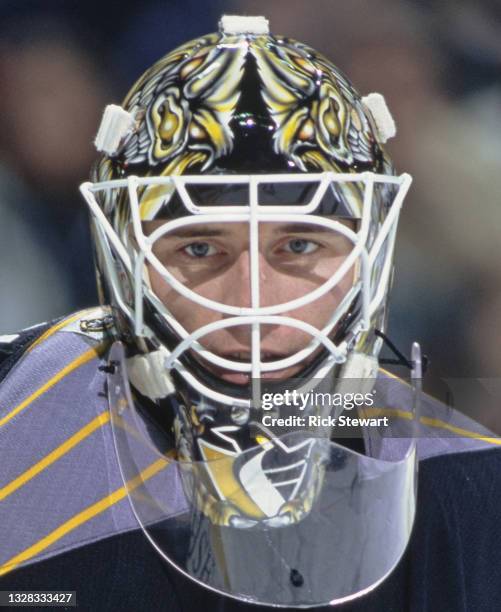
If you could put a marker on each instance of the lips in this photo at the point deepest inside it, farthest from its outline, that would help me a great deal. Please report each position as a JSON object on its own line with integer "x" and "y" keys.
{"x": 246, "y": 357}
{"x": 243, "y": 378}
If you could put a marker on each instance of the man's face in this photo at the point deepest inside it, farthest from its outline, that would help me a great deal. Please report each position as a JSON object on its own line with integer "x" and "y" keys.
{"x": 213, "y": 260}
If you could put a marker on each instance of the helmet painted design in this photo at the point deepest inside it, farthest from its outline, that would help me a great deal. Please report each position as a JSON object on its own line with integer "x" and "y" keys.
{"x": 241, "y": 126}
{"x": 242, "y": 104}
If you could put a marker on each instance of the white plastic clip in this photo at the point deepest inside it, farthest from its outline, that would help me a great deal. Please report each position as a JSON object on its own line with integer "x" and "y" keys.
{"x": 148, "y": 376}
{"x": 416, "y": 361}
{"x": 116, "y": 124}
{"x": 380, "y": 112}
{"x": 238, "y": 24}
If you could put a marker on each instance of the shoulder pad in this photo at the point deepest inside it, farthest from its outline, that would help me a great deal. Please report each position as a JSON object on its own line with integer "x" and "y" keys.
{"x": 13, "y": 346}
{"x": 94, "y": 323}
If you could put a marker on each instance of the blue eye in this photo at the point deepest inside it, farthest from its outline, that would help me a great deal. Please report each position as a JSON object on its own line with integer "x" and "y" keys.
{"x": 200, "y": 249}
{"x": 299, "y": 246}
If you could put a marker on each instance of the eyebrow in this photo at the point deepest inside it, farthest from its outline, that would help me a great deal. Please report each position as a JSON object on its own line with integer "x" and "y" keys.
{"x": 208, "y": 232}
{"x": 302, "y": 228}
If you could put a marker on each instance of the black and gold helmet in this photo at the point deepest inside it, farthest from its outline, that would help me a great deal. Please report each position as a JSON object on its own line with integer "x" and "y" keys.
{"x": 239, "y": 103}
{"x": 243, "y": 127}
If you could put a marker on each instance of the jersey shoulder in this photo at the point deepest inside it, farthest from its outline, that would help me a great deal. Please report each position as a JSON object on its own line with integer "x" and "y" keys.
{"x": 91, "y": 322}
{"x": 13, "y": 346}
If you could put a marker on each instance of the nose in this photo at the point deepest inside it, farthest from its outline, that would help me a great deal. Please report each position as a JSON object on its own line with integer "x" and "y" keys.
{"x": 238, "y": 292}
{"x": 238, "y": 286}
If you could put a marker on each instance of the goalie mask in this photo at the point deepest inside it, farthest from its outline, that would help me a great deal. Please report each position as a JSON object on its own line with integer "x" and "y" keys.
{"x": 244, "y": 214}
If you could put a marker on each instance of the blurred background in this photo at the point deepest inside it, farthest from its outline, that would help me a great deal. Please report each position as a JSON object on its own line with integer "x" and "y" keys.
{"x": 437, "y": 62}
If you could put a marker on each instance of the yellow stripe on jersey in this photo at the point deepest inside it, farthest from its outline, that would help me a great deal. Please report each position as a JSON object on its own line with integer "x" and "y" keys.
{"x": 375, "y": 412}
{"x": 55, "y": 328}
{"x": 54, "y": 455}
{"x": 431, "y": 422}
{"x": 76, "y": 363}
{"x": 459, "y": 430}
{"x": 82, "y": 517}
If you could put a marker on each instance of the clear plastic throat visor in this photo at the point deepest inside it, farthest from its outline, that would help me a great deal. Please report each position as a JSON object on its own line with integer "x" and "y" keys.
{"x": 343, "y": 529}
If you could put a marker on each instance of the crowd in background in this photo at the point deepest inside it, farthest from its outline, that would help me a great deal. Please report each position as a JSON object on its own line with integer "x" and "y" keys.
{"x": 437, "y": 62}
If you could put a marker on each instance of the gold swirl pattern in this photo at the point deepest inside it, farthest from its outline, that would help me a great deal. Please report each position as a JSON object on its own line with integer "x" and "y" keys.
{"x": 167, "y": 116}
{"x": 189, "y": 97}
{"x": 317, "y": 114}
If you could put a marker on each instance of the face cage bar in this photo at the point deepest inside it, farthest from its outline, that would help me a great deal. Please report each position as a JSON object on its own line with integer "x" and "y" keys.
{"x": 253, "y": 213}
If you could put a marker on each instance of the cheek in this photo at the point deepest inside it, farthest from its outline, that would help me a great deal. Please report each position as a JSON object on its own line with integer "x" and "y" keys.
{"x": 193, "y": 316}
{"x": 160, "y": 288}
{"x": 190, "y": 314}
{"x": 318, "y": 312}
